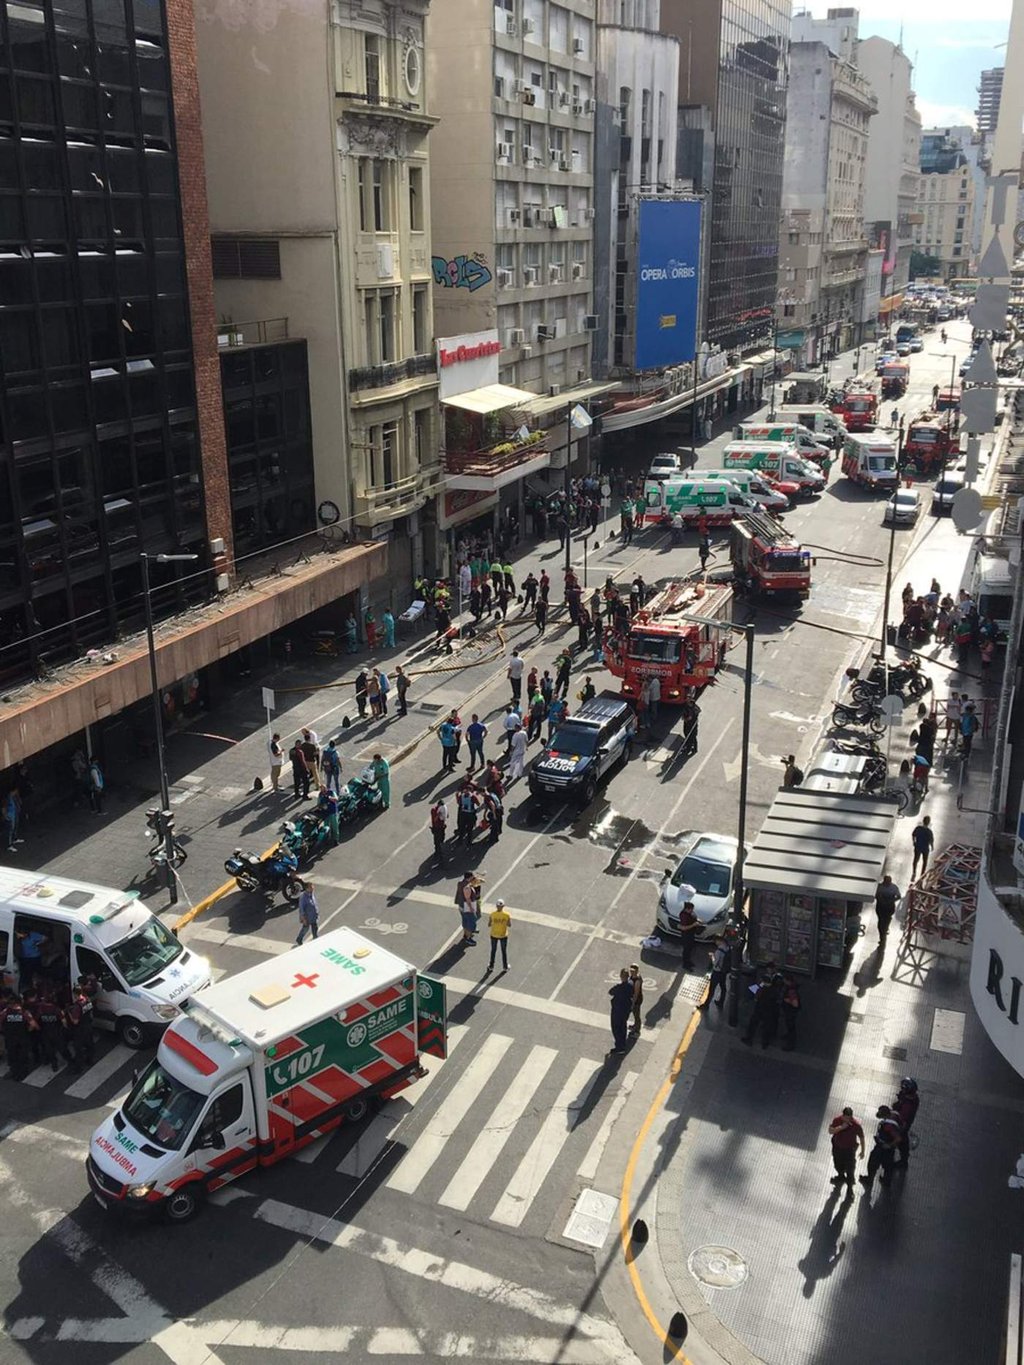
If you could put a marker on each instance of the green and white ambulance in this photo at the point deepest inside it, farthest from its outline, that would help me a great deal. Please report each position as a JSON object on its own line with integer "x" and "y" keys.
{"x": 692, "y": 496}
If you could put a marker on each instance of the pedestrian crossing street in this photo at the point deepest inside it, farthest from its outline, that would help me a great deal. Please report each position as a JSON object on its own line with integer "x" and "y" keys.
{"x": 481, "y": 1133}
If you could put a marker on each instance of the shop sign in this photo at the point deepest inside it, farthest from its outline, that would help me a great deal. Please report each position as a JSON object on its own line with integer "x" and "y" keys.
{"x": 463, "y": 504}
{"x": 467, "y": 362}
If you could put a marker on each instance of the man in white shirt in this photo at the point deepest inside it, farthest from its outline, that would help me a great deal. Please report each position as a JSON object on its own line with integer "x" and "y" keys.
{"x": 514, "y": 673}
{"x": 512, "y": 722}
{"x": 654, "y": 697}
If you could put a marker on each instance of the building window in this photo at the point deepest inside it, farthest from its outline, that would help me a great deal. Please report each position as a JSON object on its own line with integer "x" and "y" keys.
{"x": 416, "y": 198}
{"x": 383, "y": 454}
{"x": 365, "y": 194}
{"x": 236, "y": 258}
{"x": 381, "y": 215}
{"x": 420, "y": 325}
{"x": 372, "y": 68}
{"x": 421, "y": 436}
{"x": 388, "y": 348}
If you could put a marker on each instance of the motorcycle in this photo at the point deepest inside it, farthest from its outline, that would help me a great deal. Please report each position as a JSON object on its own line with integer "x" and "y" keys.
{"x": 307, "y": 836}
{"x": 907, "y": 681}
{"x": 277, "y": 872}
{"x": 868, "y": 715}
{"x": 360, "y": 796}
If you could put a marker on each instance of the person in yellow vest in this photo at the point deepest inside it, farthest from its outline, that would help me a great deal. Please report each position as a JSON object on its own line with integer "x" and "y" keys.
{"x": 498, "y": 922}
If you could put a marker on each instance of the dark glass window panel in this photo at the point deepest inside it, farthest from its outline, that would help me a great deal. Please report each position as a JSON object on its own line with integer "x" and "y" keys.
{"x": 127, "y": 216}
{"x": 236, "y": 369}
{"x": 88, "y": 173}
{"x": 113, "y": 63}
{"x": 20, "y": 347}
{"x": 53, "y": 280}
{"x": 42, "y": 170}
{"x": 267, "y": 363}
{"x": 60, "y": 337}
{"x": 15, "y": 281}
{"x": 144, "y": 394}
{"x": 152, "y": 65}
{"x": 150, "y": 460}
{"x": 6, "y": 100}
{"x": 103, "y": 332}
{"x": 12, "y": 228}
{"x": 9, "y": 177}
{"x": 110, "y": 399}
{"x": 240, "y": 424}
{"x": 37, "y": 495}
{"x": 132, "y": 274}
{"x": 169, "y": 277}
{"x": 74, "y": 55}
{"x": 74, "y": 480}
{"x": 293, "y": 363}
{"x": 155, "y": 119}
{"x": 114, "y": 464}
{"x": 120, "y": 519}
{"x": 69, "y": 408}
{"x": 174, "y": 331}
{"x": 123, "y": 170}
{"x": 27, "y": 408}
{"x": 180, "y": 391}
{"x": 45, "y": 215}
{"x": 96, "y": 274}
{"x": 35, "y": 100}
{"x": 137, "y": 323}
{"x": 110, "y": 14}
{"x": 90, "y": 219}
{"x": 160, "y": 176}
{"x": 118, "y": 112}
{"x": 184, "y": 453}
{"x": 29, "y": 50}
{"x": 268, "y": 418}
{"x": 164, "y": 217}
{"x": 80, "y": 108}
{"x": 148, "y": 16}
{"x": 295, "y": 403}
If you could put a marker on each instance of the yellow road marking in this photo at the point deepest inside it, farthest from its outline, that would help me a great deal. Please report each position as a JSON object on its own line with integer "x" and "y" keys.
{"x": 625, "y": 1218}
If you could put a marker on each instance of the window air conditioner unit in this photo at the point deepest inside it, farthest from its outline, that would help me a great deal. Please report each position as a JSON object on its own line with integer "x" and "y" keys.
{"x": 545, "y": 333}
{"x": 563, "y": 99}
{"x": 511, "y": 28}
{"x": 528, "y": 26}
{"x": 554, "y": 390}
{"x": 528, "y": 216}
{"x": 589, "y": 106}
{"x": 553, "y": 153}
{"x": 528, "y": 95}
{"x": 552, "y": 217}
{"x": 516, "y": 336}
{"x": 504, "y": 151}
{"x": 589, "y": 214}
{"x": 577, "y": 45}
{"x": 504, "y": 279}
{"x": 577, "y": 270}
{"x": 590, "y": 322}
{"x": 564, "y": 163}
{"x": 530, "y": 274}
{"x": 525, "y": 352}
{"x": 577, "y": 107}
{"x": 529, "y": 156}
{"x": 513, "y": 215}
{"x": 554, "y": 272}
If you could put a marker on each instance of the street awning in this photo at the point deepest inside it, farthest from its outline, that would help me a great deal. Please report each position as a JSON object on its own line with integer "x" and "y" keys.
{"x": 823, "y": 844}
{"x": 490, "y": 398}
{"x": 542, "y": 404}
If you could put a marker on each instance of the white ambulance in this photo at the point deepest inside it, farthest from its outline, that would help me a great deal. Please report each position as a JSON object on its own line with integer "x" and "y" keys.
{"x": 75, "y": 929}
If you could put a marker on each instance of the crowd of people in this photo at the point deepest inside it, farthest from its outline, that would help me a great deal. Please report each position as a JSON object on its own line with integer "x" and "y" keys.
{"x": 955, "y": 623}
{"x": 46, "y": 1021}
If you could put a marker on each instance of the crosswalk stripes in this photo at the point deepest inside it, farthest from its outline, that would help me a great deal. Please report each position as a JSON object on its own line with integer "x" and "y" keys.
{"x": 118, "y": 1057}
{"x": 498, "y": 1129}
{"x": 101, "y": 1072}
{"x": 544, "y": 1150}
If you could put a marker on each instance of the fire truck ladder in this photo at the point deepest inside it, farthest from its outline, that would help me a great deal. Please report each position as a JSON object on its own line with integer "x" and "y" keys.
{"x": 765, "y": 528}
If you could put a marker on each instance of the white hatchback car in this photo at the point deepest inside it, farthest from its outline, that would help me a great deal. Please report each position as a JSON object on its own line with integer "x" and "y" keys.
{"x": 704, "y": 877}
{"x": 902, "y": 508}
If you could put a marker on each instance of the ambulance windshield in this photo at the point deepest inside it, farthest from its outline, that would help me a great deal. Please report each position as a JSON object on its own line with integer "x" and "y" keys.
{"x": 161, "y": 1108}
{"x": 140, "y": 956}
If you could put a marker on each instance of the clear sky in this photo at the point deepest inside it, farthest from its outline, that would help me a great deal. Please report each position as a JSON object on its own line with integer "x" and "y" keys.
{"x": 949, "y": 42}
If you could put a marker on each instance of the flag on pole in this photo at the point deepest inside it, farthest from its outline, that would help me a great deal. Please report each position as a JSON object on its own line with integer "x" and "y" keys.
{"x": 580, "y": 419}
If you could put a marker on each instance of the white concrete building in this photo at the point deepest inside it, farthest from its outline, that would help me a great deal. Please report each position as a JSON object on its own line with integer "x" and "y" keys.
{"x": 315, "y": 126}
{"x": 893, "y": 170}
{"x": 945, "y": 202}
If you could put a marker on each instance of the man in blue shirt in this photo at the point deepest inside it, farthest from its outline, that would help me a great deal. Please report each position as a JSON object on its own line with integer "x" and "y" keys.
{"x": 309, "y": 914}
{"x": 476, "y": 733}
{"x": 557, "y": 711}
{"x": 449, "y": 737}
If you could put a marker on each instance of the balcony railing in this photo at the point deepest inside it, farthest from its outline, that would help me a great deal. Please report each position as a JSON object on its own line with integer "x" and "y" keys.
{"x": 496, "y": 459}
{"x": 252, "y": 333}
{"x": 398, "y": 499}
{"x": 383, "y": 376}
{"x": 383, "y": 102}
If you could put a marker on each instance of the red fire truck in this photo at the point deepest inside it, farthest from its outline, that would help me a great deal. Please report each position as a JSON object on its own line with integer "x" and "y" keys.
{"x": 664, "y": 640}
{"x": 768, "y": 561}
{"x": 930, "y": 439}
{"x": 858, "y": 408}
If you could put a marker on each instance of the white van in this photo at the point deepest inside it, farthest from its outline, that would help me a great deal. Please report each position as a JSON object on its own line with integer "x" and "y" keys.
{"x": 750, "y": 482}
{"x": 144, "y": 973}
{"x": 991, "y": 586}
{"x": 817, "y": 418}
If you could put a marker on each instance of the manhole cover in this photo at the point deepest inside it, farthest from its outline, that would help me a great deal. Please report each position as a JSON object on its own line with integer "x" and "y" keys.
{"x": 719, "y": 1267}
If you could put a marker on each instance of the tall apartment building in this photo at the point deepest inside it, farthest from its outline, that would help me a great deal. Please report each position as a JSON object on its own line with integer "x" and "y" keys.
{"x": 823, "y": 247}
{"x": 732, "y": 98}
{"x": 638, "y": 83}
{"x": 317, "y": 130}
{"x": 945, "y": 203}
{"x": 893, "y": 167}
{"x": 990, "y": 89}
{"x": 513, "y": 157}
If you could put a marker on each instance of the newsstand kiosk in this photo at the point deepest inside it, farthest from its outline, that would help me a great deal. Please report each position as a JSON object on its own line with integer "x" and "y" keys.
{"x": 817, "y": 860}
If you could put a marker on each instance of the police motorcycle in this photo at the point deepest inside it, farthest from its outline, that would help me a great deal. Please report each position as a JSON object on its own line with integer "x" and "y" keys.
{"x": 360, "y": 796}
{"x": 277, "y": 872}
{"x": 307, "y": 836}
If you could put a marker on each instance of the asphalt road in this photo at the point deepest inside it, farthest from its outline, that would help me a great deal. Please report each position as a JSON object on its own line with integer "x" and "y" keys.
{"x": 460, "y": 1193}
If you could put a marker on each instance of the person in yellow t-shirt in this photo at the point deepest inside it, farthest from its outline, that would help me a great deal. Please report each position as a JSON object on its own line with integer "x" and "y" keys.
{"x": 498, "y": 922}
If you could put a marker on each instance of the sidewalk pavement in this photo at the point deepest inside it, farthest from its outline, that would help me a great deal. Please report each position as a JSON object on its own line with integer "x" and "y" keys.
{"x": 766, "y": 1259}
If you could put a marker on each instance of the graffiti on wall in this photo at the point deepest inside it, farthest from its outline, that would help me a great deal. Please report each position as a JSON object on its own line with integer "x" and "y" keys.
{"x": 462, "y": 272}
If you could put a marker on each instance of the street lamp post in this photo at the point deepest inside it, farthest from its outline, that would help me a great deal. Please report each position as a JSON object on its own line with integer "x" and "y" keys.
{"x": 165, "y": 799}
{"x": 892, "y": 543}
{"x": 736, "y": 954}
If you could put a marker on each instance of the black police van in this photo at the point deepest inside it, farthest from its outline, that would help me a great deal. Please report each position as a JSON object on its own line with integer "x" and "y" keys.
{"x": 583, "y": 748}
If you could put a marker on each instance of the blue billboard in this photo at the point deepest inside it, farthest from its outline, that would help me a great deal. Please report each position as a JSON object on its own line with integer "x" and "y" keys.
{"x": 668, "y": 282}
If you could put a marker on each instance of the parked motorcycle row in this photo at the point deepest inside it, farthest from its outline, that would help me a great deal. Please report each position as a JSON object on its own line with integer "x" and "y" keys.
{"x": 303, "y": 839}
